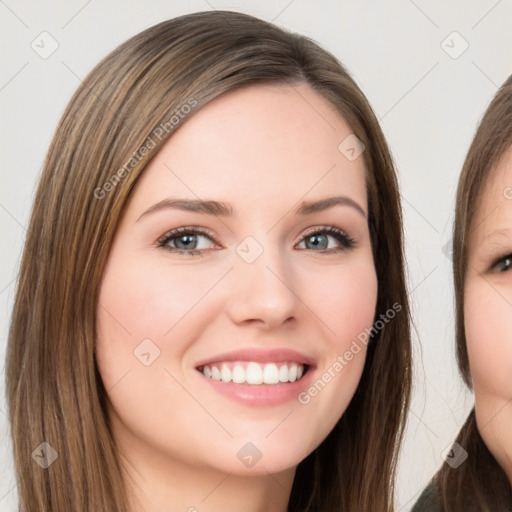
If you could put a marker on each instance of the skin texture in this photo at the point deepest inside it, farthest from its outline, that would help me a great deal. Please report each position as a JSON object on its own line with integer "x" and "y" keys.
{"x": 262, "y": 149}
{"x": 488, "y": 313}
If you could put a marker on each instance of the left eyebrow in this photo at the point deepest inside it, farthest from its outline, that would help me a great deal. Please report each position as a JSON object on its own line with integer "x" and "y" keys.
{"x": 504, "y": 233}
{"x": 308, "y": 207}
{"x": 225, "y": 210}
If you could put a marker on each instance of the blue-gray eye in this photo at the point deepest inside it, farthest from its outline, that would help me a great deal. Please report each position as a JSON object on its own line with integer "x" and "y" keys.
{"x": 503, "y": 264}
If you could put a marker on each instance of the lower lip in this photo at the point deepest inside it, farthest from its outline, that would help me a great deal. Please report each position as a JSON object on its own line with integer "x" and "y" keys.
{"x": 263, "y": 394}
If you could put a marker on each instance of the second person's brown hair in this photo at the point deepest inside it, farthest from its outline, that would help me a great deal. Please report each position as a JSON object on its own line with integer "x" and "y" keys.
{"x": 479, "y": 484}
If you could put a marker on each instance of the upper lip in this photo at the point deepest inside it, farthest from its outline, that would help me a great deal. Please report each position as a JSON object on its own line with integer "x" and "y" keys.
{"x": 258, "y": 355}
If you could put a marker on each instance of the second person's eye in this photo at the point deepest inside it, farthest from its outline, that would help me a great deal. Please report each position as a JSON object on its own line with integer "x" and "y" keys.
{"x": 503, "y": 264}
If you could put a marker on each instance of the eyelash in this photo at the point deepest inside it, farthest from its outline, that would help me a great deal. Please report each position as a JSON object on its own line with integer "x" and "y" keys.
{"x": 505, "y": 259}
{"x": 346, "y": 241}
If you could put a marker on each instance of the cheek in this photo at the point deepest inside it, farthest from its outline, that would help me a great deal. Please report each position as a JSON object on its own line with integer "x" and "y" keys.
{"x": 346, "y": 301}
{"x": 141, "y": 316}
{"x": 140, "y": 299}
{"x": 488, "y": 327}
{"x": 143, "y": 300}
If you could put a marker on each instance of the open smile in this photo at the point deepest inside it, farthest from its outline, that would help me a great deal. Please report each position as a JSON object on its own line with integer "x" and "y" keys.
{"x": 257, "y": 377}
{"x": 253, "y": 373}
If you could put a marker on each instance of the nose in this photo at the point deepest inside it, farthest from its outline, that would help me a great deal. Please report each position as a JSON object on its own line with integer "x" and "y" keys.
{"x": 261, "y": 292}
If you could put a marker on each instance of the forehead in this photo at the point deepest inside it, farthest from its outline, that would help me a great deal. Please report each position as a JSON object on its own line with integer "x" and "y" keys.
{"x": 258, "y": 145}
{"x": 494, "y": 211}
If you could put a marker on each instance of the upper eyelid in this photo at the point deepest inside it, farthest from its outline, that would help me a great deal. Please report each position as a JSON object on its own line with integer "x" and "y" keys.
{"x": 187, "y": 229}
{"x": 500, "y": 259}
{"x": 206, "y": 232}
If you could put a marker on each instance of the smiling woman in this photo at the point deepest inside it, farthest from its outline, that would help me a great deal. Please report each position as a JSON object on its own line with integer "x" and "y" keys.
{"x": 188, "y": 279}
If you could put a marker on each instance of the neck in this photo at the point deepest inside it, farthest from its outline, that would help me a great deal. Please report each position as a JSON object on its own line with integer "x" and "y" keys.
{"x": 158, "y": 483}
{"x": 494, "y": 420}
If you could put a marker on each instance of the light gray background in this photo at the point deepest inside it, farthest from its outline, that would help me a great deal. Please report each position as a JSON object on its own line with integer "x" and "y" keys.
{"x": 429, "y": 104}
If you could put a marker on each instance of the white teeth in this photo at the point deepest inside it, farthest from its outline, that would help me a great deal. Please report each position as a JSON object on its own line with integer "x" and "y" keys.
{"x": 292, "y": 373}
{"x": 238, "y": 374}
{"x": 270, "y": 374}
{"x": 255, "y": 373}
{"x": 226, "y": 373}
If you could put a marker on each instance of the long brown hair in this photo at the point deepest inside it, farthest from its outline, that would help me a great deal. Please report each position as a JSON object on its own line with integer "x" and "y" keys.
{"x": 139, "y": 93}
{"x": 479, "y": 484}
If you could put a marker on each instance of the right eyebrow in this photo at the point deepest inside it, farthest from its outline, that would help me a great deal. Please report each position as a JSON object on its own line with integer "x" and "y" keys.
{"x": 192, "y": 205}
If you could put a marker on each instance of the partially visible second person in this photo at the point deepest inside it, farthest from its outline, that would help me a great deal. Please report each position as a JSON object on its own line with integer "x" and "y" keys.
{"x": 482, "y": 266}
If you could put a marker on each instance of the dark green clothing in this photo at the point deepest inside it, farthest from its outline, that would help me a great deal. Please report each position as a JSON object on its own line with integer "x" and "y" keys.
{"x": 428, "y": 501}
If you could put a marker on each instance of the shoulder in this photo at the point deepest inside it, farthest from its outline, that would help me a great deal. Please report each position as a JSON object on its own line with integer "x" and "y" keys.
{"x": 428, "y": 501}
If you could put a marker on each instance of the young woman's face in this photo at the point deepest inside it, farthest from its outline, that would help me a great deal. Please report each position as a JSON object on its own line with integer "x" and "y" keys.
{"x": 488, "y": 312}
{"x": 264, "y": 292}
